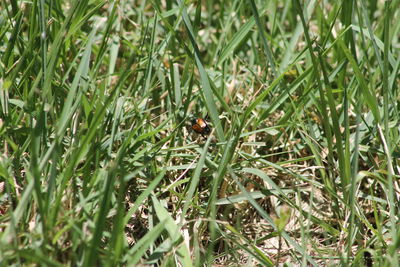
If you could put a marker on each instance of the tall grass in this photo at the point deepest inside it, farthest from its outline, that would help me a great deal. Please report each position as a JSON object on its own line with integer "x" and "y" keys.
{"x": 100, "y": 166}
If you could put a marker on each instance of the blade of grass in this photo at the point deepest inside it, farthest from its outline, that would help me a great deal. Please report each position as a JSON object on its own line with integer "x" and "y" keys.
{"x": 183, "y": 253}
{"x": 139, "y": 249}
{"x": 267, "y": 49}
{"x": 206, "y": 88}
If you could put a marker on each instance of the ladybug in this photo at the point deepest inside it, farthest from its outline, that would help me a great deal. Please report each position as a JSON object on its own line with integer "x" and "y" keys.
{"x": 200, "y": 126}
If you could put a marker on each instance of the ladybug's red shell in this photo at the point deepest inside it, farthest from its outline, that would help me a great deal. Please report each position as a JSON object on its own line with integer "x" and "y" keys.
{"x": 200, "y": 126}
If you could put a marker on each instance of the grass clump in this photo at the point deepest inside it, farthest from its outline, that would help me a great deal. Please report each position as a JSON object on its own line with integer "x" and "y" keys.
{"x": 100, "y": 166}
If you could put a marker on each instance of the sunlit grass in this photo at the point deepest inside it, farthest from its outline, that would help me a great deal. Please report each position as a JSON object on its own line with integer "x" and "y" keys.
{"x": 100, "y": 166}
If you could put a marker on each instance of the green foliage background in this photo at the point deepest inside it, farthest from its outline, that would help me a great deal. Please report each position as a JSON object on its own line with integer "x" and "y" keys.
{"x": 99, "y": 165}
